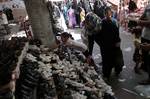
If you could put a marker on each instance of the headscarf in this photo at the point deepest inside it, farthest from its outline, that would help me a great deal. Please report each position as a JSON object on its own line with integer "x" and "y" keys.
{"x": 94, "y": 20}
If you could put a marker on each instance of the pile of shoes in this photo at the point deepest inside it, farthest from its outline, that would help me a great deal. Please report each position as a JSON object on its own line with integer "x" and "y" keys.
{"x": 59, "y": 74}
{"x": 10, "y": 50}
{"x": 31, "y": 81}
{"x": 27, "y": 81}
{"x": 35, "y": 81}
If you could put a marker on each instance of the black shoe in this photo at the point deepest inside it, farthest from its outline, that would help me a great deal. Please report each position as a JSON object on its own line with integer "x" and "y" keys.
{"x": 117, "y": 74}
{"x": 118, "y": 71}
{"x": 106, "y": 78}
{"x": 145, "y": 82}
{"x": 137, "y": 71}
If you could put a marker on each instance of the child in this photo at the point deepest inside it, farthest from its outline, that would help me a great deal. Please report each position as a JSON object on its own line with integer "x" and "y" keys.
{"x": 137, "y": 57}
{"x": 68, "y": 40}
{"x": 110, "y": 45}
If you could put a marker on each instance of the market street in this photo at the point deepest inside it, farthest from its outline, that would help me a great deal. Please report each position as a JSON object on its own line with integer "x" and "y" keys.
{"x": 74, "y": 49}
{"x": 123, "y": 86}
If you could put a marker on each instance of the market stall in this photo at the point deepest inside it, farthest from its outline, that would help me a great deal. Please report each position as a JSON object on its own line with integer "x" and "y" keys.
{"x": 33, "y": 71}
{"x": 48, "y": 74}
{"x": 59, "y": 74}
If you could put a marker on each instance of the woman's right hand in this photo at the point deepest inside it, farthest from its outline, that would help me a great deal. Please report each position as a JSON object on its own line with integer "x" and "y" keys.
{"x": 145, "y": 46}
{"x": 89, "y": 59}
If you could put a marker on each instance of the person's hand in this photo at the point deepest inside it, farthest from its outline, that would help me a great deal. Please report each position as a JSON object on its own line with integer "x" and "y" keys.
{"x": 89, "y": 59}
{"x": 145, "y": 46}
{"x": 139, "y": 22}
{"x": 57, "y": 41}
{"x": 133, "y": 19}
{"x": 137, "y": 44}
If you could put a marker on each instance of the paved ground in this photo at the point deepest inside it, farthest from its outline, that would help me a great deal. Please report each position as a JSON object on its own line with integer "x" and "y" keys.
{"x": 124, "y": 86}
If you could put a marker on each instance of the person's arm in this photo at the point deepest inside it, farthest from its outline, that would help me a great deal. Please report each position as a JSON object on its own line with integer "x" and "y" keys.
{"x": 81, "y": 47}
{"x": 117, "y": 37}
{"x": 76, "y": 45}
{"x": 143, "y": 16}
{"x": 145, "y": 47}
{"x": 145, "y": 23}
{"x": 90, "y": 44}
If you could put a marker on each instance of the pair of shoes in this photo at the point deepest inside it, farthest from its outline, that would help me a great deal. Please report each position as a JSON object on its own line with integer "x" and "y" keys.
{"x": 106, "y": 79}
{"x": 145, "y": 82}
{"x": 143, "y": 67}
{"x": 117, "y": 74}
{"x": 137, "y": 71}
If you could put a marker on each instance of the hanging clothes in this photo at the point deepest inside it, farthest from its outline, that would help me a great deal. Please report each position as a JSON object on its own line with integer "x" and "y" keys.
{"x": 82, "y": 16}
{"x": 71, "y": 18}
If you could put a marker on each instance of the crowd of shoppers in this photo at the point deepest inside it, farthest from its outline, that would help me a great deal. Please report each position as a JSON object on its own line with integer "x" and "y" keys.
{"x": 100, "y": 25}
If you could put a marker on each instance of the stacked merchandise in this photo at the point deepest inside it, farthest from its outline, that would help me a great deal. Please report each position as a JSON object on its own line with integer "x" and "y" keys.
{"x": 59, "y": 74}
{"x": 35, "y": 80}
{"x": 11, "y": 54}
{"x": 3, "y": 32}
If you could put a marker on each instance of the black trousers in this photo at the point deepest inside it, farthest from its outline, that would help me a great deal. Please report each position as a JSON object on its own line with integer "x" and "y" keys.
{"x": 6, "y": 95}
{"x": 112, "y": 57}
{"x": 146, "y": 58}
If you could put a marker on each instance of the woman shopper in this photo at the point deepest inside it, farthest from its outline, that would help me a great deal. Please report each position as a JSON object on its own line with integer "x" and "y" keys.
{"x": 110, "y": 45}
{"x": 71, "y": 18}
{"x": 90, "y": 33}
{"x": 92, "y": 28}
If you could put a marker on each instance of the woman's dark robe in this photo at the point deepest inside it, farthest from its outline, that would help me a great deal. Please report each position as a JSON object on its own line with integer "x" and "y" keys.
{"x": 111, "y": 54}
